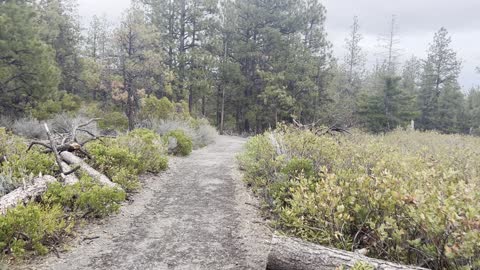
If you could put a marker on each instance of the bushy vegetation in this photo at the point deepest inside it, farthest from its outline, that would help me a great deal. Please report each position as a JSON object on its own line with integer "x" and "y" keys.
{"x": 85, "y": 198}
{"x": 18, "y": 166}
{"x": 31, "y": 228}
{"x": 154, "y": 108}
{"x": 179, "y": 142}
{"x": 165, "y": 117}
{"x": 407, "y": 196}
{"x": 36, "y": 226}
{"x": 124, "y": 158}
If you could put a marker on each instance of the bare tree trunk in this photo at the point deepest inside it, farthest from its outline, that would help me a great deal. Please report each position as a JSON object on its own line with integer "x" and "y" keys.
{"x": 293, "y": 254}
{"x": 222, "y": 113}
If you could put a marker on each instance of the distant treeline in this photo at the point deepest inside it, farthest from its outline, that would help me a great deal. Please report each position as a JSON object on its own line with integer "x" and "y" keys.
{"x": 245, "y": 65}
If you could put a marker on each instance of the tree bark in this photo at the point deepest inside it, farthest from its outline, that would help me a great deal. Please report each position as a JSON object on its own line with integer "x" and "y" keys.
{"x": 294, "y": 254}
{"x": 70, "y": 179}
{"x": 101, "y": 178}
{"x": 25, "y": 194}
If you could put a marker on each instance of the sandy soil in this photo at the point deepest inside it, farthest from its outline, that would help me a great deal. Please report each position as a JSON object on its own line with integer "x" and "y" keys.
{"x": 197, "y": 215}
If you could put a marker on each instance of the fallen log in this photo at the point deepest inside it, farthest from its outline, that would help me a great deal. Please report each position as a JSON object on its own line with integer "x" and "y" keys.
{"x": 294, "y": 254}
{"x": 71, "y": 159}
{"x": 70, "y": 179}
{"x": 25, "y": 194}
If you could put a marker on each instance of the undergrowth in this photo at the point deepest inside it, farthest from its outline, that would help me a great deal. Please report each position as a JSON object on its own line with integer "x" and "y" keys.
{"x": 408, "y": 197}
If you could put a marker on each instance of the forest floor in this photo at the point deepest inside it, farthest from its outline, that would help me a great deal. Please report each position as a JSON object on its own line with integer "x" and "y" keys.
{"x": 196, "y": 215}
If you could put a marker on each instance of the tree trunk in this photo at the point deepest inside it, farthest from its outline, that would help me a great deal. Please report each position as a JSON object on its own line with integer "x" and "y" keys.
{"x": 293, "y": 254}
{"x": 222, "y": 112}
{"x": 101, "y": 178}
{"x": 25, "y": 194}
{"x": 182, "y": 50}
{"x": 71, "y": 178}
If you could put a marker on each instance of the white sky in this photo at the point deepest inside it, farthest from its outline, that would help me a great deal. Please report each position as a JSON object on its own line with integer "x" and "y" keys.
{"x": 418, "y": 20}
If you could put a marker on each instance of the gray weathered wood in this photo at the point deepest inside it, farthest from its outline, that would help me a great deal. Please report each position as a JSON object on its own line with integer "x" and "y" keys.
{"x": 70, "y": 179}
{"x": 71, "y": 159}
{"x": 25, "y": 194}
{"x": 294, "y": 254}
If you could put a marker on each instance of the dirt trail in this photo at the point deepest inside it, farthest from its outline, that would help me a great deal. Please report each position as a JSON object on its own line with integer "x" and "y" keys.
{"x": 194, "y": 216}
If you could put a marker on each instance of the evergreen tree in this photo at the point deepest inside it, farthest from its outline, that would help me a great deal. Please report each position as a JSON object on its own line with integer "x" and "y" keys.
{"x": 140, "y": 61}
{"x": 60, "y": 28}
{"x": 28, "y": 74}
{"x": 355, "y": 58}
{"x": 387, "y": 109}
{"x": 439, "y": 78}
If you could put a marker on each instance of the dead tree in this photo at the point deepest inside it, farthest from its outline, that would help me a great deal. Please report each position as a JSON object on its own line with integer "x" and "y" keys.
{"x": 65, "y": 145}
{"x": 294, "y": 254}
{"x": 25, "y": 194}
{"x": 320, "y": 130}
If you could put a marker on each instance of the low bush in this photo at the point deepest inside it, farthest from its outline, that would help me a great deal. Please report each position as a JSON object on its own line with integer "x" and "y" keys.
{"x": 124, "y": 158}
{"x": 203, "y": 133}
{"x": 31, "y": 228}
{"x": 18, "y": 166}
{"x": 154, "y": 108}
{"x": 297, "y": 166}
{"x": 63, "y": 103}
{"x": 149, "y": 146}
{"x": 409, "y": 197}
{"x": 111, "y": 158}
{"x": 183, "y": 146}
{"x": 36, "y": 226}
{"x": 113, "y": 121}
{"x": 30, "y": 128}
{"x": 85, "y": 198}
{"x": 200, "y": 131}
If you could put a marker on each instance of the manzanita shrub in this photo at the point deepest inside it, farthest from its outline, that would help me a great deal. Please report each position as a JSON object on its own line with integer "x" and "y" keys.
{"x": 408, "y": 197}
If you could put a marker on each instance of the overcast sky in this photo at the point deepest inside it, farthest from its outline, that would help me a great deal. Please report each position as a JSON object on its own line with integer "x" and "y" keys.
{"x": 417, "y": 20}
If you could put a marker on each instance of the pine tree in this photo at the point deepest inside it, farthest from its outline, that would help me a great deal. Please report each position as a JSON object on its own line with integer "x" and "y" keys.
{"x": 28, "y": 74}
{"x": 355, "y": 58}
{"x": 388, "y": 109}
{"x": 439, "y": 77}
{"x": 139, "y": 58}
{"x": 60, "y": 28}
{"x": 389, "y": 43}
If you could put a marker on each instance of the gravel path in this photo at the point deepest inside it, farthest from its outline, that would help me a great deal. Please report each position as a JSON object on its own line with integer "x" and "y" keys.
{"x": 197, "y": 215}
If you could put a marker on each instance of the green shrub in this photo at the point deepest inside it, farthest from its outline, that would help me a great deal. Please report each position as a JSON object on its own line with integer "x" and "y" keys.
{"x": 21, "y": 165}
{"x": 362, "y": 266}
{"x": 405, "y": 196}
{"x": 86, "y": 198}
{"x": 298, "y": 166}
{"x": 154, "y": 108}
{"x": 184, "y": 143}
{"x": 30, "y": 228}
{"x": 126, "y": 179}
{"x": 112, "y": 158}
{"x": 113, "y": 121}
{"x": 149, "y": 146}
{"x": 63, "y": 103}
{"x": 128, "y": 156}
